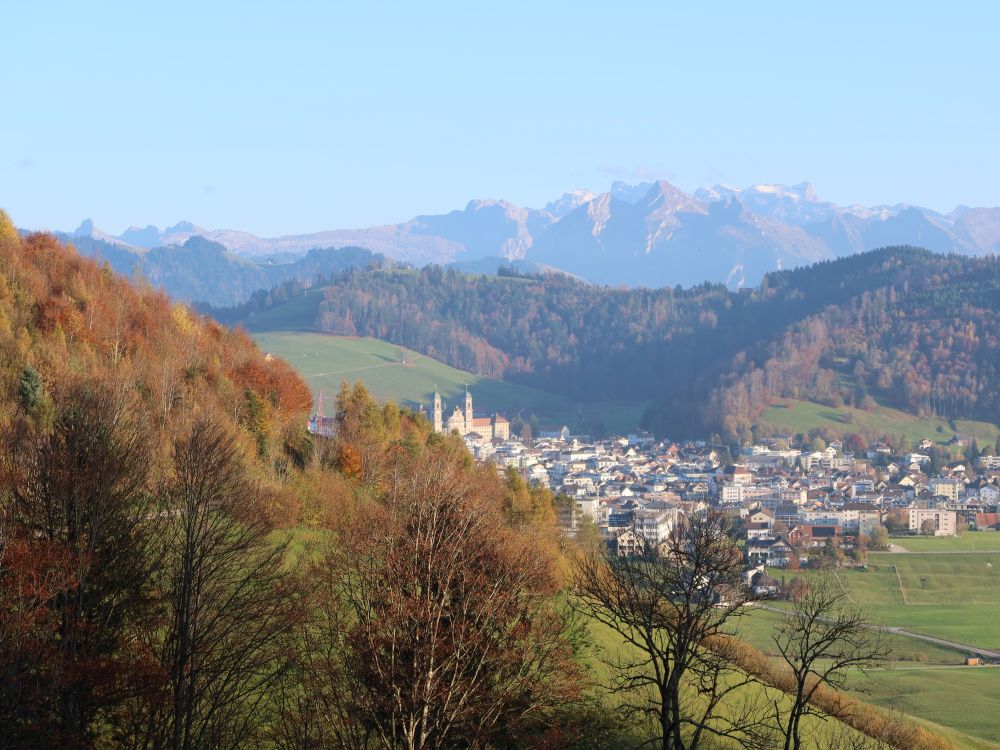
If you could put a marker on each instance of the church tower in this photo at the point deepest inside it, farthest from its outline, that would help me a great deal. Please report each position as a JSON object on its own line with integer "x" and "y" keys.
{"x": 438, "y": 421}
{"x": 468, "y": 411}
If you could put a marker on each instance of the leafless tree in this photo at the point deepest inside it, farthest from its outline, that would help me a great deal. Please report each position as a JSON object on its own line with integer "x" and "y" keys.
{"x": 822, "y": 639}
{"x": 674, "y": 605}
{"x": 229, "y": 602}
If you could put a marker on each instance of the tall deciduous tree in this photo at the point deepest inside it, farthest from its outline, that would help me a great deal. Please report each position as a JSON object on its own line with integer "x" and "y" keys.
{"x": 229, "y": 603}
{"x": 82, "y": 489}
{"x": 822, "y": 639}
{"x": 673, "y": 605}
{"x": 446, "y": 630}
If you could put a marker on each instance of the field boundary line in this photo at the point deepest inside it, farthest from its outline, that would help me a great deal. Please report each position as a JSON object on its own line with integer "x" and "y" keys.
{"x": 942, "y": 552}
{"x": 840, "y": 583}
{"x": 899, "y": 580}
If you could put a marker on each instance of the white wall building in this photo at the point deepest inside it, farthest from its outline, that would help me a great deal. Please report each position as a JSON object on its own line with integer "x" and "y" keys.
{"x": 945, "y": 521}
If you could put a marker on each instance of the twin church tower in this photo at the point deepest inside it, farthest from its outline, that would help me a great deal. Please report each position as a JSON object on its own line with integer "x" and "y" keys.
{"x": 465, "y": 423}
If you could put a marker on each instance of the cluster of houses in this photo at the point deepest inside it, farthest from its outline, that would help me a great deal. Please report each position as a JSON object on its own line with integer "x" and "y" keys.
{"x": 794, "y": 504}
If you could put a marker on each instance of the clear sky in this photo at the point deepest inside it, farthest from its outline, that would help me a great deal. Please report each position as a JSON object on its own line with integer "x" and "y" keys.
{"x": 289, "y": 117}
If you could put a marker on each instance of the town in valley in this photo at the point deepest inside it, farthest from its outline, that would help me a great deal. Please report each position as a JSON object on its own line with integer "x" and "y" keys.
{"x": 817, "y": 505}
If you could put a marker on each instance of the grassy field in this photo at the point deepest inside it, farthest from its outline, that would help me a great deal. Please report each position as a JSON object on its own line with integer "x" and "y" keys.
{"x": 394, "y": 372}
{"x": 969, "y": 541}
{"x": 758, "y": 626}
{"x": 926, "y": 681}
{"x": 950, "y": 578}
{"x": 954, "y": 595}
{"x": 966, "y": 699}
{"x": 943, "y": 590}
{"x": 795, "y": 416}
{"x": 607, "y": 646}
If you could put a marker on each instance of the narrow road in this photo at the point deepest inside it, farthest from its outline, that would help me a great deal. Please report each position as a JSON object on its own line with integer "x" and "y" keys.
{"x": 365, "y": 367}
{"x": 942, "y": 642}
{"x": 919, "y": 636}
{"x": 353, "y": 369}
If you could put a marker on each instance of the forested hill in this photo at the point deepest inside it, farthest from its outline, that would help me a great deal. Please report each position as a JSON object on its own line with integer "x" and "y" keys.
{"x": 72, "y": 329}
{"x": 204, "y": 271}
{"x": 910, "y": 327}
{"x": 155, "y": 467}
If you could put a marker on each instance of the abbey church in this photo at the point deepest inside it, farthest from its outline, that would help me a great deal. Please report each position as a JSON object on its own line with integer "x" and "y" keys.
{"x": 463, "y": 421}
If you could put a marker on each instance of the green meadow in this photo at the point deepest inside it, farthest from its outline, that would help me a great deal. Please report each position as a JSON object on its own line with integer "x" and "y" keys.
{"x": 943, "y": 590}
{"x": 969, "y": 541}
{"x": 966, "y": 699}
{"x": 607, "y": 647}
{"x": 946, "y": 588}
{"x": 794, "y": 415}
{"x": 952, "y": 595}
{"x": 927, "y": 681}
{"x": 407, "y": 377}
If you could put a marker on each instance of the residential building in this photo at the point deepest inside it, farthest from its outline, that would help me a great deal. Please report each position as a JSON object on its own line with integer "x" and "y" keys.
{"x": 943, "y": 522}
{"x": 949, "y": 488}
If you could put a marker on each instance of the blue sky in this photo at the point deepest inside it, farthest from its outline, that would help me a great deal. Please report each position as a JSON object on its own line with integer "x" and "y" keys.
{"x": 293, "y": 117}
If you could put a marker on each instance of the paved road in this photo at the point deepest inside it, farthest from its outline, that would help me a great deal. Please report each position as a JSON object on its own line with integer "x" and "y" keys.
{"x": 942, "y": 642}
{"x": 986, "y": 654}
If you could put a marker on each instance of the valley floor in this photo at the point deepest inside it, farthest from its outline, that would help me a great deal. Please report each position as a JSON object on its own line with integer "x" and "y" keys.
{"x": 942, "y": 589}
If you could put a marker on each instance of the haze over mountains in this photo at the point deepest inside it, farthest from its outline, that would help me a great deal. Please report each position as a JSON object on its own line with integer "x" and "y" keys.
{"x": 650, "y": 234}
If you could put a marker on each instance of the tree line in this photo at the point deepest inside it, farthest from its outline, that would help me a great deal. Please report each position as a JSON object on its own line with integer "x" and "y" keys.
{"x": 900, "y": 325}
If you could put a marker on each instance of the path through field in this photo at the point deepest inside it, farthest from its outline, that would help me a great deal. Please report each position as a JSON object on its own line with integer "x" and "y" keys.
{"x": 985, "y": 653}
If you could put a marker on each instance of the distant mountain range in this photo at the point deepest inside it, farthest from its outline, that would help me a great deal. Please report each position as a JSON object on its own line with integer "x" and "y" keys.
{"x": 203, "y": 271}
{"x": 649, "y": 234}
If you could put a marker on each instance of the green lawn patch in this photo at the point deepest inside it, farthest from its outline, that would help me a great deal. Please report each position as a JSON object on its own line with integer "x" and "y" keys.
{"x": 966, "y": 699}
{"x": 951, "y": 595}
{"x": 969, "y": 541}
{"x": 927, "y": 681}
{"x": 608, "y": 645}
{"x": 758, "y": 627}
{"x": 405, "y": 376}
{"x": 794, "y": 415}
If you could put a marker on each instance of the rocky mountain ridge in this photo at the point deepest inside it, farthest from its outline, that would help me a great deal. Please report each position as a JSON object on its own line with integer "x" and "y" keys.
{"x": 646, "y": 234}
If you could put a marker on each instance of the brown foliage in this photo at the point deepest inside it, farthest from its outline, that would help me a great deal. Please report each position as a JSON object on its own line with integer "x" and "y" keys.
{"x": 228, "y": 600}
{"x": 447, "y": 633}
{"x": 74, "y": 322}
{"x": 81, "y": 493}
{"x": 83, "y": 582}
{"x": 33, "y": 572}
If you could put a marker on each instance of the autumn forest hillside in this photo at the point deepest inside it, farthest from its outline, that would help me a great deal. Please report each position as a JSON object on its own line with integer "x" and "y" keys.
{"x": 901, "y": 326}
{"x": 68, "y": 324}
{"x": 168, "y": 571}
